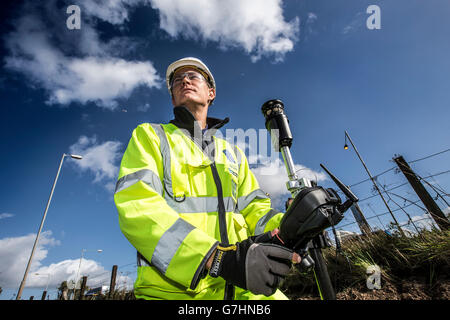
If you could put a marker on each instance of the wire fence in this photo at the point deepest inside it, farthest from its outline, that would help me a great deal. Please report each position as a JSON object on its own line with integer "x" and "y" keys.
{"x": 124, "y": 278}
{"x": 402, "y": 202}
{"x": 98, "y": 286}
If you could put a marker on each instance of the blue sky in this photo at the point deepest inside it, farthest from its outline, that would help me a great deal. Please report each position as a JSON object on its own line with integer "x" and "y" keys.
{"x": 84, "y": 91}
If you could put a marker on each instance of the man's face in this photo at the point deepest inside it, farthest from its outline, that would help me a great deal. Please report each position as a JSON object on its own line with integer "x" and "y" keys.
{"x": 189, "y": 91}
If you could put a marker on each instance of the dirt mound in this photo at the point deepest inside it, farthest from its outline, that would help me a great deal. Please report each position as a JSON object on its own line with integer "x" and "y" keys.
{"x": 411, "y": 289}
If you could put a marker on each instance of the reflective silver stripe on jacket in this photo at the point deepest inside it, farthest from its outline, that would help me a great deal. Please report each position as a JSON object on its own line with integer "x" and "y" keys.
{"x": 165, "y": 151}
{"x": 262, "y": 222}
{"x": 201, "y": 204}
{"x": 145, "y": 175}
{"x": 238, "y": 156}
{"x": 244, "y": 201}
{"x": 169, "y": 243}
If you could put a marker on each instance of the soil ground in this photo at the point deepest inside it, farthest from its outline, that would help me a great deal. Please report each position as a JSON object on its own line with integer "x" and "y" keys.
{"x": 410, "y": 289}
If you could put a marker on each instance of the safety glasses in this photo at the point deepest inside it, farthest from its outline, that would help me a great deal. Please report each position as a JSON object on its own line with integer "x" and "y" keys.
{"x": 191, "y": 75}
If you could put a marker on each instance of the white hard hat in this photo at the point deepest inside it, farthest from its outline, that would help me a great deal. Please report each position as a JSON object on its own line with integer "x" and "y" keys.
{"x": 191, "y": 62}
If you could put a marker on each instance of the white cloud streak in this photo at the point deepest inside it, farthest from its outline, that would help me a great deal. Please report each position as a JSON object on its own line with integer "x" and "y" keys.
{"x": 115, "y": 12}
{"x": 6, "y": 215}
{"x": 356, "y": 24}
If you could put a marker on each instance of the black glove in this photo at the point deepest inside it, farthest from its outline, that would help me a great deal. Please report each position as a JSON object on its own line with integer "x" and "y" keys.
{"x": 311, "y": 212}
{"x": 253, "y": 264}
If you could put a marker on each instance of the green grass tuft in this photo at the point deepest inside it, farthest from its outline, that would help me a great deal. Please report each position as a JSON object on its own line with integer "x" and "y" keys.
{"x": 424, "y": 256}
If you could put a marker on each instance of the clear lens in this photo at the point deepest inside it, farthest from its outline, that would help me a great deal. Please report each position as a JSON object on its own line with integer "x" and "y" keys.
{"x": 191, "y": 75}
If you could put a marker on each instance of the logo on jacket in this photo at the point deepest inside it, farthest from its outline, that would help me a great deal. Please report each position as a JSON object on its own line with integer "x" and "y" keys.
{"x": 229, "y": 156}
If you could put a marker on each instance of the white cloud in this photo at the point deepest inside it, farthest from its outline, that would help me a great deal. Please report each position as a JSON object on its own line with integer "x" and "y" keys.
{"x": 98, "y": 158}
{"x": 447, "y": 211}
{"x": 75, "y": 67}
{"x": 310, "y": 29}
{"x": 6, "y": 215}
{"x": 356, "y": 24}
{"x": 424, "y": 221}
{"x": 257, "y": 26}
{"x": 14, "y": 255}
{"x": 67, "y": 270}
{"x": 114, "y": 12}
{"x": 143, "y": 108}
{"x": 311, "y": 17}
{"x": 103, "y": 80}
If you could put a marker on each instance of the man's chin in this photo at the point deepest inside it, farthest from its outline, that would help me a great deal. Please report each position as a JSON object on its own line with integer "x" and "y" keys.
{"x": 187, "y": 101}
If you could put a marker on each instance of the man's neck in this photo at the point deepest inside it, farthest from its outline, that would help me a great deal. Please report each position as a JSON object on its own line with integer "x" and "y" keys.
{"x": 200, "y": 114}
{"x": 184, "y": 119}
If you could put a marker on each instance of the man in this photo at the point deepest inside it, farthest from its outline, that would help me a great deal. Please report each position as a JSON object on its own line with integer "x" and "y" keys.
{"x": 191, "y": 207}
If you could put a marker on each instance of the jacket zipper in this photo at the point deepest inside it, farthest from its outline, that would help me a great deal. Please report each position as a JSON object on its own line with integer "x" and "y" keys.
{"x": 229, "y": 288}
{"x": 221, "y": 209}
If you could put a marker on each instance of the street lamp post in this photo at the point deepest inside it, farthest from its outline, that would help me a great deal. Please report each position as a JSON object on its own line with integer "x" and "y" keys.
{"x": 79, "y": 266}
{"x": 46, "y": 287}
{"x": 372, "y": 179}
{"x": 48, "y": 278}
{"x": 22, "y": 284}
{"x": 81, "y": 258}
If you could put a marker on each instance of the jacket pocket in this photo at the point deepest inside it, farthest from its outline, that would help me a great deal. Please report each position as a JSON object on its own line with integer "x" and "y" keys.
{"x": 240, "y": 226}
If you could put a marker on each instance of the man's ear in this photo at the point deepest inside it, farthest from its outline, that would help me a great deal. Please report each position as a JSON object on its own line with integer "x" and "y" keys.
{"x": 212, "y": 93}
{"x": 211, "y": 96}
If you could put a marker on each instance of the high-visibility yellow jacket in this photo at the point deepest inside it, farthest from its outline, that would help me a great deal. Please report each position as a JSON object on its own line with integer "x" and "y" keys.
{"x": 179, "y": 193}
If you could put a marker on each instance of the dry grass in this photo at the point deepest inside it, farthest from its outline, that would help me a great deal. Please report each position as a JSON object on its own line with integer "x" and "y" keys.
{"x": 425, "y": 257}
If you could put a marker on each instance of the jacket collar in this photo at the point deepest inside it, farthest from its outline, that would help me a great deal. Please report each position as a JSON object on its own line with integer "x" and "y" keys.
{"x": 184, "y": 119}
